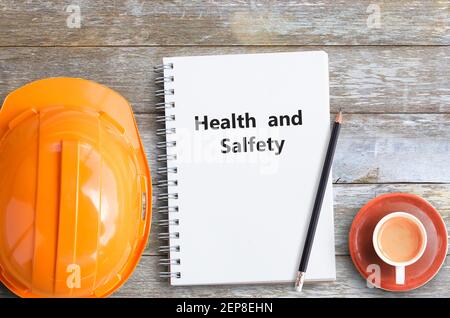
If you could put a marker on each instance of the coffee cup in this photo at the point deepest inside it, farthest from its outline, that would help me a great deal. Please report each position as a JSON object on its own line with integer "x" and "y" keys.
{"x": 399, "y": 240}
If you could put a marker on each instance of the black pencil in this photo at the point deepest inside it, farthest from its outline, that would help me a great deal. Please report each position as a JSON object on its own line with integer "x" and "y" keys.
{"x": 318, "y": 203}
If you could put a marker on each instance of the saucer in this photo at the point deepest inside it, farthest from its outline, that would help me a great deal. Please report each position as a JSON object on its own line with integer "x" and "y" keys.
{"x": 363, "y": 253}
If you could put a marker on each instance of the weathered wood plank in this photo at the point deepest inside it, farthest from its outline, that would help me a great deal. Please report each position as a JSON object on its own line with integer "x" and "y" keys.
{"x": 145, "y": 282}
{"x": 402, "y": 148}
{"x": 393, "y": 148}
{"x": 362, "y": 79}
{"x": 348, "y": 199}
{"x": 372, "y": 149}
{"x": 138, "y": 22}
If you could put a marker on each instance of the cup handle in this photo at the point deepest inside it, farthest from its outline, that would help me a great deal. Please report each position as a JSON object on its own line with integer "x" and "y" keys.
{"x": 400, "y": 275}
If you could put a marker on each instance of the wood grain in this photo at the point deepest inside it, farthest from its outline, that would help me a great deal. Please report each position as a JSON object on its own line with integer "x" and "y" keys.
{"x": 373, "y": 152}
{"x": 138, "y": 22}
{"x": 145, "y": 282}
{"x": 372, "y": 148}
{"x": 362, "y": 79}
{"x": 348, "y": 199}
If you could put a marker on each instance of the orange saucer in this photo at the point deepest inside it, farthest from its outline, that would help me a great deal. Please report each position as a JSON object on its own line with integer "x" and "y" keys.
{"x": 363, "y": 253}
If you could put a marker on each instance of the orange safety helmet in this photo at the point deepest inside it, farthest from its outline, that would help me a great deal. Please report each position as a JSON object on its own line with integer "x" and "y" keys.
{"x": 75, "y": 190}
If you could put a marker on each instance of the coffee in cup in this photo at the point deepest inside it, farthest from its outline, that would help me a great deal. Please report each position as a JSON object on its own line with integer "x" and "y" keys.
{"x": 399, "y": 240}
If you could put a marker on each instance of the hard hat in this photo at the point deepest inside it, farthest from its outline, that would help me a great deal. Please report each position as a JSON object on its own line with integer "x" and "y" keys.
{"x": 75, "y": 190}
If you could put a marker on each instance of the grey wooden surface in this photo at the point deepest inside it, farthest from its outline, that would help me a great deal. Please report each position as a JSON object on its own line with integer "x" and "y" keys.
{"x": 392, "y": 79}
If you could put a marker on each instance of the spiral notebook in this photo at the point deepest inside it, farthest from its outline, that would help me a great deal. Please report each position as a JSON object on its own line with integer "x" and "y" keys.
{"x": 246, "y": 137}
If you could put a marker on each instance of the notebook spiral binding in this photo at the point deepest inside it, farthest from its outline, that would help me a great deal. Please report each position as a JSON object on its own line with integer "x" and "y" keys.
{"x": 165, "y": 174}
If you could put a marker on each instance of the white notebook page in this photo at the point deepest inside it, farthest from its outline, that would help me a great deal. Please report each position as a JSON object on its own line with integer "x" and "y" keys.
{"x": 243, "y": 216}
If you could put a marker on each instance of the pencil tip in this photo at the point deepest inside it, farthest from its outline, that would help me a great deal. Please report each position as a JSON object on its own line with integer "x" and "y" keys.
{"x": 339, "y": 117}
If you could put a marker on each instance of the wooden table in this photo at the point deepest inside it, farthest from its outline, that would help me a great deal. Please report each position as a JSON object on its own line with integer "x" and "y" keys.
{"x": 391, "y": 76}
